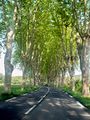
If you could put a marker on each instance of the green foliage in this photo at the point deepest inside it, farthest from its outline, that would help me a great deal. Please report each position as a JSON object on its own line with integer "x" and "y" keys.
{"x": 5, "y": 96}
{"x": 45, "y": 38}
{"x": 17, "y": 91}
{"x": 16, "y": 80}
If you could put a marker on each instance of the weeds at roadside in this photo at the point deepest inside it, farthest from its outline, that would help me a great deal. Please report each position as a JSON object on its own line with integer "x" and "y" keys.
{"x": 16, "y": 90}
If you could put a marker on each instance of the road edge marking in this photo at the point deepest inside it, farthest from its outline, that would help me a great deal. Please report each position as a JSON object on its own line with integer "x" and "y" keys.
{"x": 81, "y": 105}
{"x": 30, "y": 110}
{"x": 10, "y": 99}
{"x": 70, "y": 96}
{"x": 7, "y": 100}
{"x": 77, "y": 102}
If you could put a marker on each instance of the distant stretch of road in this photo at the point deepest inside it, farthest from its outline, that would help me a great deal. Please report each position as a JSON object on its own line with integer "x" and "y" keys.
{"x": 44, "y": 104}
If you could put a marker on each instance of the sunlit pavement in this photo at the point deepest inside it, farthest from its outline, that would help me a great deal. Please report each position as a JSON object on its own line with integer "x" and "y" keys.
{"x": 15, "y": 109}
{"x": 56, "y": 106}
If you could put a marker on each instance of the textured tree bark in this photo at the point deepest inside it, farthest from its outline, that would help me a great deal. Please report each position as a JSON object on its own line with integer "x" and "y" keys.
{"x": 34, "y": 82}
{"x": 84, "y": 52}
{"x": 72, "y": 73}
{"x": 84, "y": 55}
{"x": 9, "y": 45}
{"x": 62, "y": 77}
{"x": 7, "y": 61}
{"x": 85, "y": 67}
{"x": 24, "y": 77}
{"x": 73, "y": 84}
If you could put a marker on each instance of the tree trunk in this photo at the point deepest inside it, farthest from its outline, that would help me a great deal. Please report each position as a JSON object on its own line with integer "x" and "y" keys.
{"x": 85, "y": 67}
{"x": 73, "y": 84}
{"x": 34, "y": 78}
{"x": 84, "y": 33}
{"x": 9, "y": 42}
{"x": 7, "y": 61}
{"x": 24, "y": 79}
{"x": 72, "y": 79}
{"x": 62, "y": 78}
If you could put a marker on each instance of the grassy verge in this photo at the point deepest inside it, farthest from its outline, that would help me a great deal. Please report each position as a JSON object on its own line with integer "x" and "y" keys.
{"x": 16, "y": 91}
{"x": 77, "y": 95}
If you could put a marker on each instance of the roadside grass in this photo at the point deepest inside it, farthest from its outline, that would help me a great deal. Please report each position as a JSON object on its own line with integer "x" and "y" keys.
{"x": 16, "y": 90}
{"x": 78, "y": 96}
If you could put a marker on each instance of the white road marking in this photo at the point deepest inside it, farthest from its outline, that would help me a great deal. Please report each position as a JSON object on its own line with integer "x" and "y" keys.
{"x": 84, "y": 114}
{"x": 10, "y": 99}
{"x": 37, "y": 103}
{"x": 24, "y": 94}
{"x": 80, "y": 104}
{"x": 40, "y": 100}
{"x": 15, "y": 97}
{"x": 30, "y": 110}
{"x": 70, "y": 96}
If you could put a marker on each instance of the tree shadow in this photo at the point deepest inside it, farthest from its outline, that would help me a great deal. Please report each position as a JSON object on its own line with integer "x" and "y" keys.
{"x": 9, "y": 113}
{"x": 58, "y": 106}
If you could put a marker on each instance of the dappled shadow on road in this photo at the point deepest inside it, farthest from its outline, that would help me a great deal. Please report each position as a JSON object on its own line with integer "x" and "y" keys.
{"x": 58, "y": 106}
{"x": 14, "y": 109}
{"x": 9, "y": 113}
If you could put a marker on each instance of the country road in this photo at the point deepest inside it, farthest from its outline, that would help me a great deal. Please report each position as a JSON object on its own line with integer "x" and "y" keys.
{"x": 57, "y": 105}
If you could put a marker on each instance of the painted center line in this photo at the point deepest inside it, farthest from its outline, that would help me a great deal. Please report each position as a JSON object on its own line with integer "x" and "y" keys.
{"x": 30, "y": 110}
{"x": 37, "y": 102}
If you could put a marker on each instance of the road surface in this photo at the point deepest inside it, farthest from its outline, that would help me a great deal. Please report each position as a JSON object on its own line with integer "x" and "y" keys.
{"x": 57, "y": 105}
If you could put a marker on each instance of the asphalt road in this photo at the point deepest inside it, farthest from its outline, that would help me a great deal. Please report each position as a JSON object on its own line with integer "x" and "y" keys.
{"x": 16, "y": 108}
{"x": 56, "y": 106}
